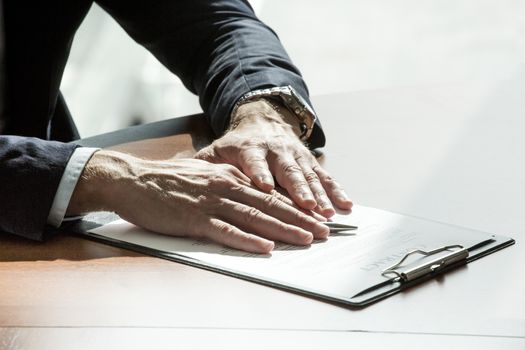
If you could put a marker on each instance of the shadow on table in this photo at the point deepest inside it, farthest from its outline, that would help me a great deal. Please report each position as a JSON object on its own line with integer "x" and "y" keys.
{"x": 59, "y": 247}
{"x": 171, "y": 138}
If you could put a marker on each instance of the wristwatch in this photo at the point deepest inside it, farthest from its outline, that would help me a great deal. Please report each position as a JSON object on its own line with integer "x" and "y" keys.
{"x": 291, "y": 100}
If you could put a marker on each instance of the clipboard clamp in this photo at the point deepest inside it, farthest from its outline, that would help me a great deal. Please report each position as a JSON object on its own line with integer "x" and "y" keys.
{"x": 429, "y": 267}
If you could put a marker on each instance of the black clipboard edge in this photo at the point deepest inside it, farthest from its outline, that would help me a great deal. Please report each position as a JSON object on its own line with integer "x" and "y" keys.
{"x": 211, "y": 267}
{"x": 499, "y": 243}
{"x": 81, "y": 228}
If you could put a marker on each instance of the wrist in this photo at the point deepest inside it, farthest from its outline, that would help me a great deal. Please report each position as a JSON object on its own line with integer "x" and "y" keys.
{"x": 265, "y": 114}
{"x": 103, "y": 178}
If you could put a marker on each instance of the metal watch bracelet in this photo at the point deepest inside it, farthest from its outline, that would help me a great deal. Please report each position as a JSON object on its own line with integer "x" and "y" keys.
{"x": 291, "y": 100}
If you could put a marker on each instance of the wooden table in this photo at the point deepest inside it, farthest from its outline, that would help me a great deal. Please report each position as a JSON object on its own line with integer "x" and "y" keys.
{"x": 452, "y": 153}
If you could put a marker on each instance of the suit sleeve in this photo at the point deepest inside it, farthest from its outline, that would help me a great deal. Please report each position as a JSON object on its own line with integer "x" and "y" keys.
{"x": 30, "y": 172}
{"x": 218, "y": 48}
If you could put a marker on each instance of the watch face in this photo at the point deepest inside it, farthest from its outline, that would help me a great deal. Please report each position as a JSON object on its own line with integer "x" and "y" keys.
{"x": 302, "y": 102}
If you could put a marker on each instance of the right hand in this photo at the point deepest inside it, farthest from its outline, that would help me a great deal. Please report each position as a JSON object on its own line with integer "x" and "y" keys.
{"x": 194, "y": 198}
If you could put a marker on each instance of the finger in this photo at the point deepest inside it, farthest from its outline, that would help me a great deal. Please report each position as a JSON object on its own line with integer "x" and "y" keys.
{"x": 334, "y": 190}
{"x": 273, "y": 206}
{"x": 324, "y": 205}
{"x": 208, "y": 154}
{"x": 253, "y": 220}
{"x": 253, "y": 163}
{"x": 290, "y": 176}
{"x": 237, "y": 173}
{"x": 288, "y": 201}
{"x": 315, "y": 215}
{"x": 231, "y": 236}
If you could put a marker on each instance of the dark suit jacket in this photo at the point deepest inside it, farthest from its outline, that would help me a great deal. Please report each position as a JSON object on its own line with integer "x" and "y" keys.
{"x": 219, "y": 49}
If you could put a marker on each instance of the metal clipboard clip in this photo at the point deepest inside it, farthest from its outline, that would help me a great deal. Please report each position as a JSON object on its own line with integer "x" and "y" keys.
{"x": 428, "y": 267}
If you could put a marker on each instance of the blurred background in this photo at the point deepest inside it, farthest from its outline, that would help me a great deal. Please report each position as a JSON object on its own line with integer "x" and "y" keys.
{"x": 110, "y": 82}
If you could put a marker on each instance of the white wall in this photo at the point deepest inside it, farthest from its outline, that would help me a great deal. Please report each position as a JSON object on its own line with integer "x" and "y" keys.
{"x": 340, "y": 45}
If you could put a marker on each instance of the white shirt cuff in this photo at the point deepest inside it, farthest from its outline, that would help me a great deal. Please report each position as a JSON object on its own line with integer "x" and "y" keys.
{"x": 67, "y": 184}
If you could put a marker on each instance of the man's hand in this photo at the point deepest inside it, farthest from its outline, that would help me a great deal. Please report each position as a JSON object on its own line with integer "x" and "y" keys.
{"x": 190, "y": 197}
{"x": 263, "y": 143}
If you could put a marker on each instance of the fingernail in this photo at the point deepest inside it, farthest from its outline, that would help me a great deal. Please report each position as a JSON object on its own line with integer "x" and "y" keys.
{"x": 307, "y": 196}
{"x": 342, "y": 199}
{"x": 267, "y": 180}
{"x": 325, "y": 205}
{"x": 307, "y": 237}
{"x": 268, "y": 247}
{"x": 342, "y": 196}
{"x": 327, "y": 208}
{"x": 264, "y": 179}
{"x": 321, "y": 230}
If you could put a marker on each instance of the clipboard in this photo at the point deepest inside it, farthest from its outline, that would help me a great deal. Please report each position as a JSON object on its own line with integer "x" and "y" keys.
{"x": 388, "y": 253}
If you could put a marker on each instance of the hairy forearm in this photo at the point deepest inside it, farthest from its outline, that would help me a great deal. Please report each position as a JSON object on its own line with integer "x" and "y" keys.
{"x": 101, "y": 182}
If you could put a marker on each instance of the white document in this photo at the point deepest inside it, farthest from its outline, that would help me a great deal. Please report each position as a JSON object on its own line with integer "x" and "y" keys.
{"x": 339, "y": 267}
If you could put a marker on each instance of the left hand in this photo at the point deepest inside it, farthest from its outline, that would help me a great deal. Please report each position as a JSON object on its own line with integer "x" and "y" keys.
{"x": 264, "y": 144}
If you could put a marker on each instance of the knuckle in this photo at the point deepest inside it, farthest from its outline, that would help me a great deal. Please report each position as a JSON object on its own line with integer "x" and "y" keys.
{"x": 222, "y": 181}
{"x": 234, "y": 173}
{"x": 279, "y": 197}
{"x": 228, "y": 168}
{"x": 203, "y": 199}
{"x": 208, "y": 203}
{"x": 324, "y": 202}
{"x": 236, "y": 188}
{"x": 254, "y": 159}
{"x": 225, "y": 229}
{"x": 298, "y": 157}
{"x": 320, "y": 194}
{"x": 310, "y": 177}
{"x": 204, "y": 154}
{"x": 290, "y": 168}
{"x": 334, "y": 185}
{"x": 273, "y": 141}
{"x": 251, "y": 214}
{"x": 308, "y": 156}
{"x": 329, "y": 180}
{"x": 218, "y": 182}
{"x": 284, "y": 230}
{"x": 271, "y": 201}
{"x": 299, "y": 185}
{"x": 300, "y": 218}
{"x": 319, "y": 169}
{"x": 254, "y": 143}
